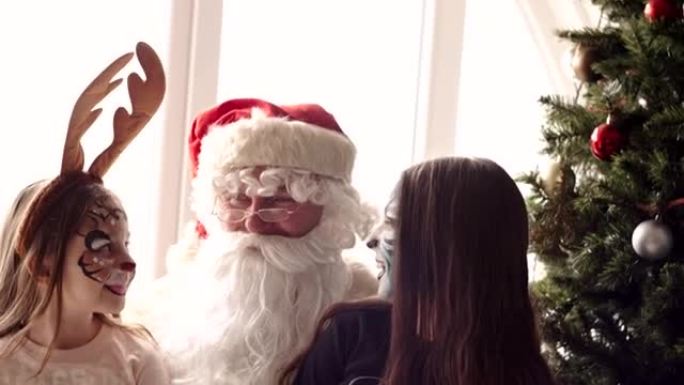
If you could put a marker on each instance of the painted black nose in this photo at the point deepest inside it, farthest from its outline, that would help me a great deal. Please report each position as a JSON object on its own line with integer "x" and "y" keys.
{"x": 373, "y": 243}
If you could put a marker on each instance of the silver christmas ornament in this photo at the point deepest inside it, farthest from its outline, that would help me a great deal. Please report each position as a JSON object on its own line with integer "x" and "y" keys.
{"x": 652, "y": 240}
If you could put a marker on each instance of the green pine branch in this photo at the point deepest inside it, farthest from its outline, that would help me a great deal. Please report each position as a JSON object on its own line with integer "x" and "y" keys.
{"x": 621, "y": 9}
{"x": 607, "y": 39}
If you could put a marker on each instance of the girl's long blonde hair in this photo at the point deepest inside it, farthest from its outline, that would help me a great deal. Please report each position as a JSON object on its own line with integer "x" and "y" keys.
{"x": 18, "y": 299}
{"x": 21, "y": 298}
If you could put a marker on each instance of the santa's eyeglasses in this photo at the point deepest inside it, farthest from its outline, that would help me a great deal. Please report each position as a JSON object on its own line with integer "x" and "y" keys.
{"x": 235, "y": 215}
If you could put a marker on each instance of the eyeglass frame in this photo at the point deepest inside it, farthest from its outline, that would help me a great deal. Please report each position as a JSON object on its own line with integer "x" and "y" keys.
{"x": 248, "y": 213}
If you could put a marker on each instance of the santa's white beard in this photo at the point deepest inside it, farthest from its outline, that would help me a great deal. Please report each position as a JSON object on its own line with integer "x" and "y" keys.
{"x": 258, "y": 301}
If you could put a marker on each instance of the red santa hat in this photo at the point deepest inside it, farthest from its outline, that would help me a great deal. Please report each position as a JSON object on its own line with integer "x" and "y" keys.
{"x": 244, "y": 133}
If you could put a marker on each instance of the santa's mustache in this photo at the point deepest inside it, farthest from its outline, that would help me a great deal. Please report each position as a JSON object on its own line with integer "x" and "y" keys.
{"x": 291, "y": 255}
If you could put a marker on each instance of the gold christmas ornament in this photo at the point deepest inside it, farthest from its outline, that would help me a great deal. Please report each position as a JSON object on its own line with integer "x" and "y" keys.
{"x": 583, "y": 58}
{"x": 557, "y": 176}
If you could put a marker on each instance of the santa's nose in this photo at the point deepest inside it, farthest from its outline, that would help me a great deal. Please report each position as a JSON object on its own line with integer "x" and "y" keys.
{"x": 253, "y": 223}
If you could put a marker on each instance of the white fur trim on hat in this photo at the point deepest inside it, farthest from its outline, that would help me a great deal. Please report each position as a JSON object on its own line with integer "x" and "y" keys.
{"x": 277, "y": 142}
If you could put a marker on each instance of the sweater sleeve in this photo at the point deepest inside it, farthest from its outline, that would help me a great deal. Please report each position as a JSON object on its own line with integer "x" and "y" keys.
{"x": 153, "y": 370}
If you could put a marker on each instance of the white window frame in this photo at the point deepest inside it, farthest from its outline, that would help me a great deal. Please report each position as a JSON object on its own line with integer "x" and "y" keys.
{"x": 192, "y": 81}
{"x": 440, "y": 67}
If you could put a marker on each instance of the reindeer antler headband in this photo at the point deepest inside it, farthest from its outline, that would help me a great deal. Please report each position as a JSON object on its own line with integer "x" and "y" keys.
{"x": 146, "y": 96}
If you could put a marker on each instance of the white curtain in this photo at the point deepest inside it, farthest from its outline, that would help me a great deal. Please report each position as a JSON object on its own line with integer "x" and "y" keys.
{"x": 545, "y": 17}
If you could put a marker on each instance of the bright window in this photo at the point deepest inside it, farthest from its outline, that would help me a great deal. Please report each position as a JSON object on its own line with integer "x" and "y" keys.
{"x": 502, "y": 77}
{"x": 359, "y": 59}
{"x": 51, "y": 51}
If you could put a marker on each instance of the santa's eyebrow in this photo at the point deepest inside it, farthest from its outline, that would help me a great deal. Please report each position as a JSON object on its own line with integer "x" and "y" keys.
{"x": 239, "y": 195}
{"x": 281, "y": 195}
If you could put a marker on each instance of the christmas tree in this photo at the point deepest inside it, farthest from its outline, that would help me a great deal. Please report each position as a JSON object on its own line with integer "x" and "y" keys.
{"x": 608, "y": 221}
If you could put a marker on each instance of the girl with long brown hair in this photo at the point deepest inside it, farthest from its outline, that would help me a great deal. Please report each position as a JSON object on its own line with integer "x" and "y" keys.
{"x": 460, "y": 310}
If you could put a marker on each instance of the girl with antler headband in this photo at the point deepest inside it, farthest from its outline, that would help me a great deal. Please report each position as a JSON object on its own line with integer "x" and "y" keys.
{"x": 64, "y": 261}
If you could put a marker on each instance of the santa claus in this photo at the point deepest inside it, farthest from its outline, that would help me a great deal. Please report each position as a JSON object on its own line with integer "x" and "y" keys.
{"x": 275, "y": 209}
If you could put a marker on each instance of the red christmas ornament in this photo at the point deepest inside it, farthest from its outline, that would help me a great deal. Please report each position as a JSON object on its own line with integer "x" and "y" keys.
{"x": 662, "y": 10}
{"x": 606, "y": 140}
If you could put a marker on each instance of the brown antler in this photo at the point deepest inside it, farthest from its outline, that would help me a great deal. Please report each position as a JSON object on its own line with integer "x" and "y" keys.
{"x": 146, "y": 96}
{"x": 83, "y": 115}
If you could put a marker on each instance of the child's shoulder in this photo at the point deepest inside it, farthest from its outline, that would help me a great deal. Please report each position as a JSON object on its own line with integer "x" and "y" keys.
{"x": 132, "y": 339}
{"x": 141, "y": 351}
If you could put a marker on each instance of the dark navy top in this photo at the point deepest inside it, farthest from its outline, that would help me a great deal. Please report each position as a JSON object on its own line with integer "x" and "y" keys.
{"x": 351, "y": 350}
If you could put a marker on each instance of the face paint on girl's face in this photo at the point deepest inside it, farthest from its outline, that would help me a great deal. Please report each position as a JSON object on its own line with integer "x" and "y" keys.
{"x": 105, "y": 258}
{"x": 386, "y": 248}
{"x": 383, "y": 237}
